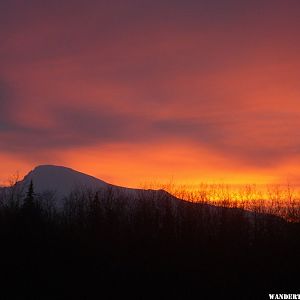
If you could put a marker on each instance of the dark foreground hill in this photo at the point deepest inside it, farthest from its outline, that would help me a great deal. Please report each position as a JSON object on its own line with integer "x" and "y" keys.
{"x": 105, "y": 245}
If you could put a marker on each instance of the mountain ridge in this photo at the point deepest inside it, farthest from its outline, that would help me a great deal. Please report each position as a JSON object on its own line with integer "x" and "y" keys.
{"x": 62, "y": 181}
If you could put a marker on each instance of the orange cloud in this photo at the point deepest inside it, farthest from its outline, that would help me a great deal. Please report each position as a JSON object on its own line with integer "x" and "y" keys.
{"x": 195, "y": 91}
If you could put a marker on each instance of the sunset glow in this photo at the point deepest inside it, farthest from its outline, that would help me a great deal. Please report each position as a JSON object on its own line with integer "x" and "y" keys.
{"x": 143, "y": 92}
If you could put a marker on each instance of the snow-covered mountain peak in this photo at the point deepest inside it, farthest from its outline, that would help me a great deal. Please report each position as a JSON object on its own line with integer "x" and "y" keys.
{"x": 61, "y": 180}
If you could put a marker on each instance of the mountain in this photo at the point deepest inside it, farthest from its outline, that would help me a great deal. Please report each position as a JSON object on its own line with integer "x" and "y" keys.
{"x": 61, "y": 180}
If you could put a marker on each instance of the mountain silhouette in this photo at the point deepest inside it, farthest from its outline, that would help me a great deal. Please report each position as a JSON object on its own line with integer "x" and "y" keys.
{"x": 61, "y": 180}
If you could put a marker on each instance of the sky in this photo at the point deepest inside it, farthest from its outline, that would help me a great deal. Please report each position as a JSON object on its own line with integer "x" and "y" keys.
{"x": 139, "y": 91}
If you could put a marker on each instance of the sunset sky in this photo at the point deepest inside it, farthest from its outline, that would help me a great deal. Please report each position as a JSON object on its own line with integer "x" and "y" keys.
{"x": 139, "y": 91}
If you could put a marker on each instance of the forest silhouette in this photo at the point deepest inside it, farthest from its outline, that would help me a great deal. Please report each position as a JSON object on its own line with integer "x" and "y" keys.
{"x": 110, "y": 246}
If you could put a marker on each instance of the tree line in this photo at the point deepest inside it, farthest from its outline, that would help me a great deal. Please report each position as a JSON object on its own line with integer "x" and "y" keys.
{"x": 109, "y": 243}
